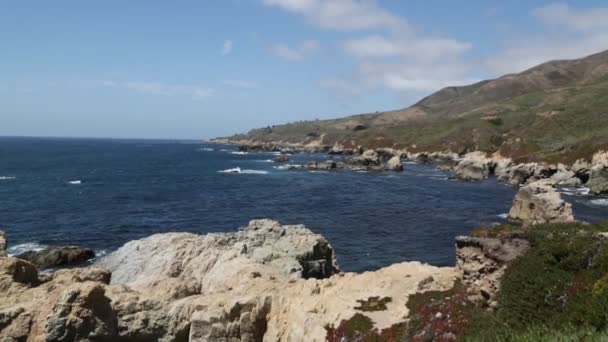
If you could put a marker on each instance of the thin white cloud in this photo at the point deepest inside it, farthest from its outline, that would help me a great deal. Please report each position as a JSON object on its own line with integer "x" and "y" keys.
{"x": 163, "y": 89}
{"x": 571, "y": 33}
{"x": 343, "y": 15}
{"x": 241, "y": 84}
{"x": 227, "y": 47}
{"x": 584, "y": 20}
{"x": 296, "y": 53}
{"x": 426, "y": 49}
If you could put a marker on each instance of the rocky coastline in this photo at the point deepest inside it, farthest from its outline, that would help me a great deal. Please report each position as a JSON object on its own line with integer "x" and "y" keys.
{"x": 472, "y": 166}
{"x": 273, "y": 282}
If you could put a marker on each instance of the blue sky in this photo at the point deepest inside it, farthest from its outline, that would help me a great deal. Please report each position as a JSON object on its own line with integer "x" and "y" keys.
{"x": 199, "y": 69}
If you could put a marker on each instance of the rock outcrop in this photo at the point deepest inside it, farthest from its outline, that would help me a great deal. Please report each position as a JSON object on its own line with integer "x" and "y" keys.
{"x": 598, "y": 178}
{"x": 266, "y": 282}
{"x": 283, "y": 158}
{"x": 483, "y": 261}
{"x": 394, "y": 164}
{"x": 3, "y": 244}
{"x": 538, "y": 203}
{"x": 56, "y": 256}
{"x": 474, "y": 166}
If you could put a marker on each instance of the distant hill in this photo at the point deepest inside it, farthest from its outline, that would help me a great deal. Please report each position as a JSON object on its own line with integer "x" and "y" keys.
{"x": 557, "y": 111}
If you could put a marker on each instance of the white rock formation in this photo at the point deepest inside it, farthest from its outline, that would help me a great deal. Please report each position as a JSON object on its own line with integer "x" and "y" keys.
{"x": 538, "y": 202}
{"x": 258, "y": 284}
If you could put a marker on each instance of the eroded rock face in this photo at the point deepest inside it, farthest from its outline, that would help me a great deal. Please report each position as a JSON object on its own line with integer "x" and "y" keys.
{"x": 474, "y": 166}
{"x": 598, "y": 177}
{"x": 598, "y": 180}
{"x": 3, "y": 244}
{"x": 483, "y": 262}
{"x": 266, "y": 282}
{"x": 56, "y": 256}
{"x": 538, "y": 203}
{"x": 282, "y": 251}
{"x": 394, "y": 164}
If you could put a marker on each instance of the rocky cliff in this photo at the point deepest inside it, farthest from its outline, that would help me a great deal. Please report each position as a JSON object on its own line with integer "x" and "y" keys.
{"x": 266, "y": 282}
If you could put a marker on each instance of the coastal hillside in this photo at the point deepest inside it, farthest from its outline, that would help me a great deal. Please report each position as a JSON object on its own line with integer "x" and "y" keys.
{"x": 555, "y": 112}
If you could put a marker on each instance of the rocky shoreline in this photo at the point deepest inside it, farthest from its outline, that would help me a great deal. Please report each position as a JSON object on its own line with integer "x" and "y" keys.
{"x": 271, "y": 282}
{"x": 473, "y": 166}
{"x": 266, "y": 282}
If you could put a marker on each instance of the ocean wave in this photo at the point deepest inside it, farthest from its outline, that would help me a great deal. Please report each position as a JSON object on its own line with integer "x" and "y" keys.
{"x": 205, "y": 149}
{"x": 287, "y": 166}
{"x": 239, "y": 153}
{"x": 503, "y": 216}
{"x": 575, "y": 191}
{"x": 238, "y": 170}
{"x": 25, "y": 247}
{"x": 75, "y": 182}
{"x": 600, "y": 201}
{"x": 7, "y": 178}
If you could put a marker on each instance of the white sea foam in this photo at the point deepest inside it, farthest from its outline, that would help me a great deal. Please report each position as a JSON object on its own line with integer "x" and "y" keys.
{"x": 287, "y": 166}
{"x": 238, "y": 170}
{"x": 503, "y": 216}
{"x": 7, "y": 178}
{"x": 239, "y": 153}
{"x": 254, "y": 172}
{"x": 24, "y": 247}
{"x": 600, "y": 201}
{"x": 233, "y": 170}
{"x": 75, "y": 182}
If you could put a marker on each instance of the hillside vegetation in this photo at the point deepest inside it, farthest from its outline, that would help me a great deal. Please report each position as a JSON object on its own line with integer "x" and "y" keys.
{"x": 557, "y": 111}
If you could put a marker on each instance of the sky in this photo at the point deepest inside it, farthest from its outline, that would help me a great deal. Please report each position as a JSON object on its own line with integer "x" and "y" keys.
{"x": 196, "y": 69}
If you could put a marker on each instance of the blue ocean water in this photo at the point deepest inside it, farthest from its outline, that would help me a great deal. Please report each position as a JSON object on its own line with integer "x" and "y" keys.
{"x": 102, "y": 193}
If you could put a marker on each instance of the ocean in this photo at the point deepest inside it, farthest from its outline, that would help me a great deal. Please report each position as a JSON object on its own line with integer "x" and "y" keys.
{"x": 100, "y": 193}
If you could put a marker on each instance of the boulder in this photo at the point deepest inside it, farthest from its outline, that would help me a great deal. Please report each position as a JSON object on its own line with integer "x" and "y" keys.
{"x": 445, "y": 161}
{"x": 598, "y": 176}
{"x": 56, "y": 256}
{"x": 474, "y": 166}
{"x": 17, "y": 271}
{"x": 3, "y": 244}
{"x": 327, "y": 165}
{"x": 368, "y": 158}
{"x": 283, "y": 158}
{"x": 520, "y": 173}
{"x": 566, "y": 177}
{"x": 394, "y": 164}
{"x": 598, "y": 179}
{"x": 537, "y": 203}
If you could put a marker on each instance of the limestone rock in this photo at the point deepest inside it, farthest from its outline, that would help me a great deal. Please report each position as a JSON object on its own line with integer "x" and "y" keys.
{"x": 3, "y": 244}
{"x": 281, "y": 251}
{"x": 266, "y": 282}
{"x": 474, "y": 166}
{"x": 283, "y": 158}
{"x": 58, "y": 256}
{"x": 600, "y": 158}
{"x": 18, "y": 271}
{"x": 566, "y": 177}
{"x": 394, "y": 164}
{"x": 328, "y": 165}
{"x": 598, "y": 179}
{"x": 537, "y": 203}
{"x": 368, "y": 158}
{"x": 520, "y": 173}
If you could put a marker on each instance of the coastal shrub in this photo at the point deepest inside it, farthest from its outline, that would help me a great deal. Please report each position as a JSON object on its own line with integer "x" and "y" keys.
{"x": 561, "y": 282}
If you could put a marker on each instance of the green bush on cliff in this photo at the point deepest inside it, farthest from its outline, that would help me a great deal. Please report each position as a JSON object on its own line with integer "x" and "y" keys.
{"x": 560, "y": 285}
